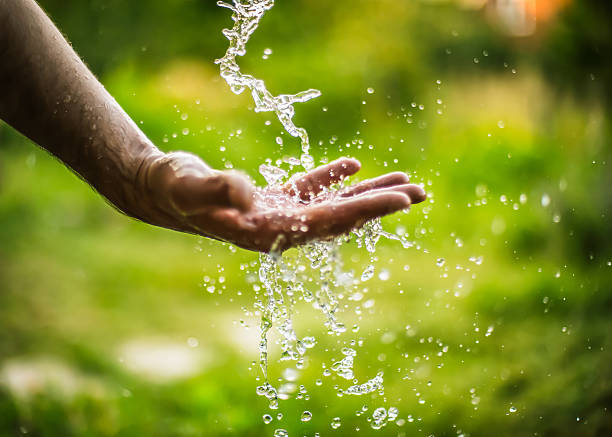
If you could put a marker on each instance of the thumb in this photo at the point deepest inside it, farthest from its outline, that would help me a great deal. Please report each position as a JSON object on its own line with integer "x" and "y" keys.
{"x": 192, "y": 194}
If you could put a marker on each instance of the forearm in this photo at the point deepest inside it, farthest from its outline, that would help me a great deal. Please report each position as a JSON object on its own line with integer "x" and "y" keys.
{"x": 50, "y": 96}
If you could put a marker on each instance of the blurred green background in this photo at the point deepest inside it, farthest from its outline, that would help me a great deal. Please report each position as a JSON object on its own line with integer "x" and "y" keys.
{"x": 109, "y": 327}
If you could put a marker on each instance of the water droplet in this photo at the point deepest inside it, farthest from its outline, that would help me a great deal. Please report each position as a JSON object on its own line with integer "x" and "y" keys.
{"x": 384, "y": 275}
{"x": 369, "y": 303}
{"x": 481, "y": 190}
{"x": 379, "y": 413}
{"x": 498, "y": 226}
{"x": 370, "y": 90}
{"x": 476, "y": 260}
{"x": 367, "y": 273}
{"x": 272, "y": 175}
{"x": 545, "y": 200}
{"x": 306, "y": 416}
{"x": 336, "y": 422}
{"x": 290, "y": 374}
{"x": 440, "y": 262}
{"x": 379, "y": 418}
{"x": 267, "y": 418}
{"x": 309, "y": 342}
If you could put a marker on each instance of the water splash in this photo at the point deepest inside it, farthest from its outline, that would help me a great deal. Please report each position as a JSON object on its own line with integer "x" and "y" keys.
{"x": 381, "y": 416}
{"x": 246, "y": 16}
{"x": 344, "y": 367}
{"x": 374, "y": 384}
{"x": 316, "y": 274}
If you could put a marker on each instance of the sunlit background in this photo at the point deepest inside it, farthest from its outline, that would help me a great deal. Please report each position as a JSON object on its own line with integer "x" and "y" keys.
{"x": 499, "y": 324}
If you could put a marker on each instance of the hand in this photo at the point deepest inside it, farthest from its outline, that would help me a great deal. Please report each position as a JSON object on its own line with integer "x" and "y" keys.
{"x": 185, "y": 194}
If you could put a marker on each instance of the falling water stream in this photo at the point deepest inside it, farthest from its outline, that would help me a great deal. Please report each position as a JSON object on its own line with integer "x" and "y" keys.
{"x": 246, "y": 16}
{"x": 287, "y": 280}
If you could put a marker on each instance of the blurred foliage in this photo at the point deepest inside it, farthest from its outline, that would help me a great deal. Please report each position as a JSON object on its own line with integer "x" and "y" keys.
{"x": 512, "y": 143}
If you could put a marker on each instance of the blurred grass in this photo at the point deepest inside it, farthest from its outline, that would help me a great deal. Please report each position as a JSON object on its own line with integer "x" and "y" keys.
{"x": 80, "y": 282}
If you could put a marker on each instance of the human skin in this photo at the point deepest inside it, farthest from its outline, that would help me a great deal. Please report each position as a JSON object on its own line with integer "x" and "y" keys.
{"x": 50, "y": 96}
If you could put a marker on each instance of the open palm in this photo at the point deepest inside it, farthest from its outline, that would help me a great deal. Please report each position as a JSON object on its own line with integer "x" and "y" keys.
{"x": 188, "y": 195}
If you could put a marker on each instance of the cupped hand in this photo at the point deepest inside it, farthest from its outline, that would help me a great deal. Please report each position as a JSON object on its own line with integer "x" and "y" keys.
{"x": 183, "y": 193}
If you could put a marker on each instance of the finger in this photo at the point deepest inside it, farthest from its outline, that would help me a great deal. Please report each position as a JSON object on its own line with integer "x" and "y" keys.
{"x": 193, "y": 194}
{"x": 387, "y": 180}
{"x": 414, "y": 192}
{"x": 312, "y": 183}
{"x": 335, "y": 218}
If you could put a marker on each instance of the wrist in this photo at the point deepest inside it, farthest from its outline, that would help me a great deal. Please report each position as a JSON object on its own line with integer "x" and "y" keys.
{"x": 140, "y": 197}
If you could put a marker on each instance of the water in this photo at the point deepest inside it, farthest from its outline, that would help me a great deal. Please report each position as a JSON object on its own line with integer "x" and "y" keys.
{"x": 336, "y": 423}
{"x": 381, "y": 416}
{"x": 344, "y": 367}
{"x": 306, "y": 416}
{"x": 372, "y": 385}
{"x": 246, "y": 17}
{"x": 315, "y": 274}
